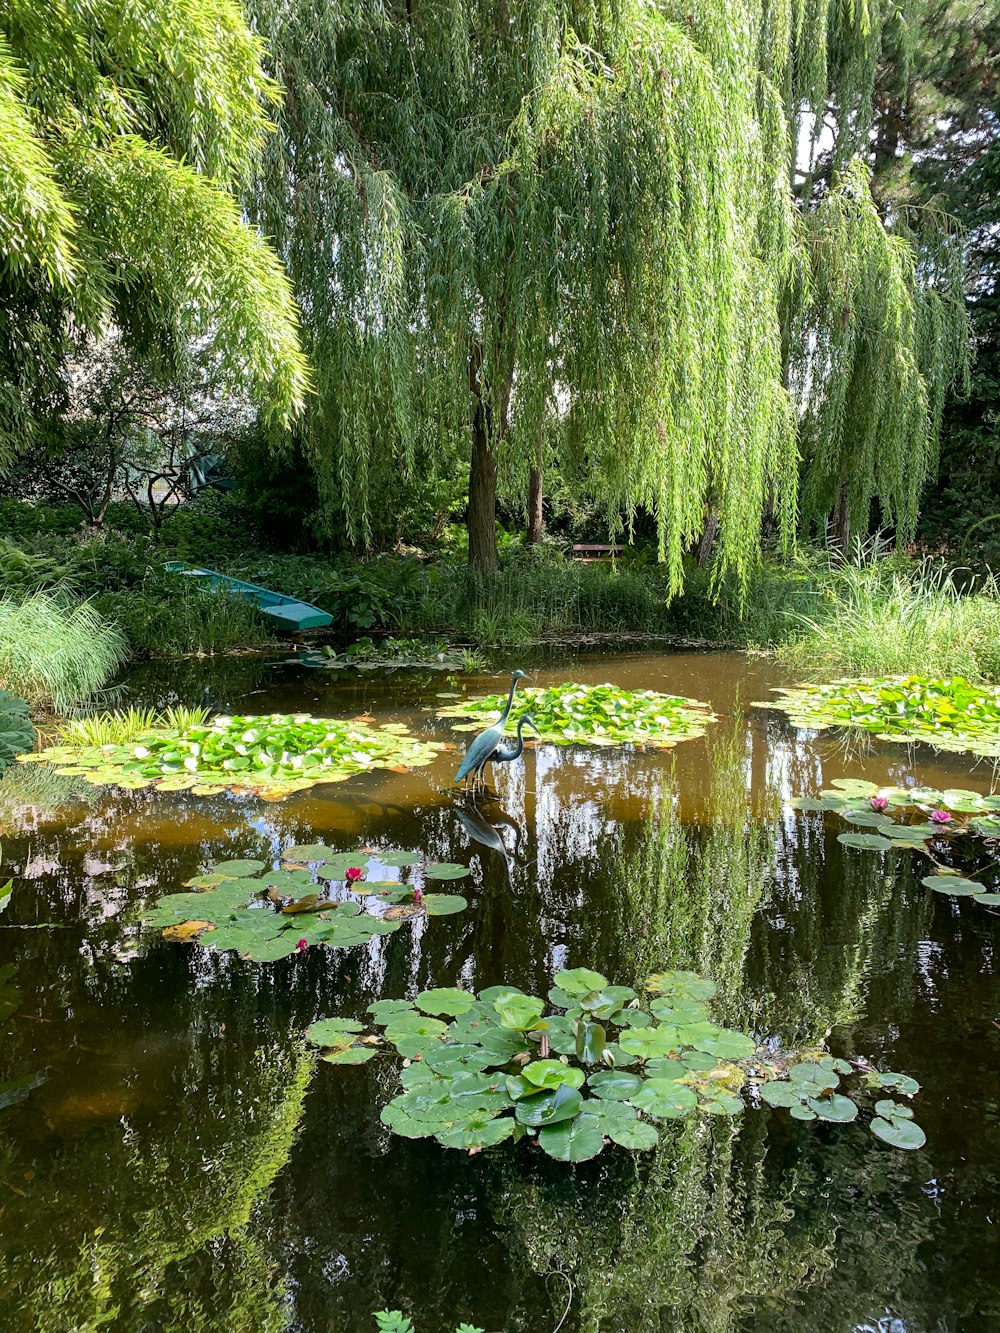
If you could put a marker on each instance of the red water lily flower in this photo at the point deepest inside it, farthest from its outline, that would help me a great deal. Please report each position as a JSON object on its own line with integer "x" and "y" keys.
{"x": 353, "y": 874}
{"x": 302, "y": 946}
{"x": 417, "y": 895}
{"x": 940, "y": 817}
{"x": 879, "y": 803}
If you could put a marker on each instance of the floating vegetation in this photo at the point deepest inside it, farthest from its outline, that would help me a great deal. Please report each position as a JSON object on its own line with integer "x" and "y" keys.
{"x": 265, "y": 914}
{"x": 605, "y": 1069}
{"x": 272, "y": 756}
{"x": 393, "y": 654}
{"x": 16, "y": 732}
{"x": 573, "y": 714}
{"x": 936, "y": 823}
{"x": 948, "y": 714}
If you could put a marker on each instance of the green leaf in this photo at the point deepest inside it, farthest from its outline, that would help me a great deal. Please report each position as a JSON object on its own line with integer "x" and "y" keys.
{"x": 445, "y": 1000}
{"x": 546, "y": 1108}
{"x": 479, "y": 1131}
{"x": 871, "y": 842}
{"x": 236, "y": 869}
{"x": 665, "y": 1099}
{"x": 899, "y": 1133}
{"x": 580, "y": 981}
{"x": 521, "y": 1012}
{"x": 953, "y": 884}
{"x": 551, "y": 1074}
{"x": 311, "y": 851}
{"x": 445, "y": 870}
{"x": 615, "y": 1085}
{"x": 383, "y": 1011}
{"x": 575, "y": 1140}
{"x": 354, "y": 1055}
{"x": 590, "y": 1042}
{"x": 781, "y": 1094}
{"x": 835, "y": 1107}
{"x": 443, "y": 904}
{"x": 329, "y": 1031}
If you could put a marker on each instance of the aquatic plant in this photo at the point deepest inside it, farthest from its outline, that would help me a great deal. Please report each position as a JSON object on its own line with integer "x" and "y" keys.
{"x": 572, "y": 714}
{"x": 54, "y": 652}
{"x": 948, "y": 714}
{"x": 393, "y": 654}
{"x": 273, "y": 755}
{"x": 604, "y": 1069}
{"x": 949, "y": 822}
{"x": 16, "y": 732}
{"x": 394, "y": 1321}
{"x": 265, "y": 914}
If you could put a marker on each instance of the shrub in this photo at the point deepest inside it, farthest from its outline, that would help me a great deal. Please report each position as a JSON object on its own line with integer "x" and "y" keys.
{"x": 167, "y": 616}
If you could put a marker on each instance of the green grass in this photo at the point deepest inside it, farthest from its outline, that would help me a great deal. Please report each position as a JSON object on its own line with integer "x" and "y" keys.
{"x": 119, "y": 728}
{"x": 167, "y": 619}
{"x": 54, "y": 653}
{"x": 884, "y": 618}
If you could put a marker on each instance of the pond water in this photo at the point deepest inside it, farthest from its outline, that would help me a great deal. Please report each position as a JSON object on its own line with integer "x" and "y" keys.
{"x": 172, "y": 1156}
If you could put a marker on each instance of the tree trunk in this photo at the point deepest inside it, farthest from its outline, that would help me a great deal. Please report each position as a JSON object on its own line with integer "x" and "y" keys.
{"x": 482, "y": 498}
{"x": 840, "y": 523}
{"x": 533, "y": 532}
{"x": 707, "y": 544}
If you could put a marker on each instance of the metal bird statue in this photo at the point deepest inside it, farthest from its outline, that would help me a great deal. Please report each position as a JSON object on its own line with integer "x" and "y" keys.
{"x": 504, "y": 756}
{"x": 482, "y": 749}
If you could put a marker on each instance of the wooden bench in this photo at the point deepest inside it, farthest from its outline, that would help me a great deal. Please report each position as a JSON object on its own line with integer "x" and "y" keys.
{"x": 595, "y": 552}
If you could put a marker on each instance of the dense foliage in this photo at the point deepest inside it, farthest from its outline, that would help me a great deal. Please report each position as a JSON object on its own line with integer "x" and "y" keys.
{"x": 274, "y": 755}
{"x": 572, "y": 714}
{"x": 607, "y": 1069}
{"x": 266, "y": 914}
{"x": 948, "y": 714}
{"x": 125, "y": 132}
{"x": 16, "y": 732}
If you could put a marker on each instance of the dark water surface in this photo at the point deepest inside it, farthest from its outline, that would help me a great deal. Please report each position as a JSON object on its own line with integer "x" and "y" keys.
{"x": 171, "y": 1157}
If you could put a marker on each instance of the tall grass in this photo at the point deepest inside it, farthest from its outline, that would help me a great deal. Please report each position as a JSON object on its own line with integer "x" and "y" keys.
{"x": 878, "y": 618}
{"x": 55, "y": 653}
{"x": 175, "y": 620}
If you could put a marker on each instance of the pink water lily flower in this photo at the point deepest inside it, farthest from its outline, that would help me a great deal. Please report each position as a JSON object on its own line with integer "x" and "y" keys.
{"x": 302, "y": 946}
{"x": 940, "y": 817}
{"x": 417, "y": 895}
{"x": 353, "y": 874}
{"x": 879, "y": 803}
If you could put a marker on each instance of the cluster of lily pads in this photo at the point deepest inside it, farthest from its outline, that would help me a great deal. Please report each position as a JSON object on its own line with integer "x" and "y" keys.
{"x": 572, "y": 714}
{"x": 948, "y": 714}
{"x": 482, "y": 1069}
{"x": 318, "y": 896}
{"x": 273, "y": 755}
{"x": 392, "y": 654}
{"x": 944, "y": 822}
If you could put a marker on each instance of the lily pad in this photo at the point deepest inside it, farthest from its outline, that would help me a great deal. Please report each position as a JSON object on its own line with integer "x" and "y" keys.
{"x": 953, "y": 884}
{"x": 572, "y": 1140}
{"x": 546, "y": 1108}
{"x": 445, "y": 1000}
{"x": 445, "y": 870}
{"x": 237, "y": 869}
{"x": 552, "y": 1074}
{"x": 665, "y": 1099}
{"x": 871, "y": 842}
{"x": 353, "y": 1055}
{"x": 614, "y": 1084}
{"x": 899, "y": 1133}
{"x": 478, "y": 1131}
{"x": 395, "y": 858}
{"x": 443, "y": 904}
{"x": 329, "y": 1031}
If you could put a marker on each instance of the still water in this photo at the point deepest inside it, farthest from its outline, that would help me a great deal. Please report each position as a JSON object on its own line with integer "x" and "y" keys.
{"x": 172, "y": 1158}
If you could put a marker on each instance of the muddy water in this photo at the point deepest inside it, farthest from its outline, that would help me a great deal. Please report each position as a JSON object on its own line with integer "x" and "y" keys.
{"x": 171, "y": 1158}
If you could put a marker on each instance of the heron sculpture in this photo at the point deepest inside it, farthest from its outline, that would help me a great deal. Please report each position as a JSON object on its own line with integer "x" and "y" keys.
{"x": 504, "y": 756}
{"x": 484, "y": 747}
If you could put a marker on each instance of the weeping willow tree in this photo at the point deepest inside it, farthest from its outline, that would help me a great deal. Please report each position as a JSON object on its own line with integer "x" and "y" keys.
{"x": 588, "y": 228}
{"x": 126, "y": 132}
{"x": 490, "y": 209}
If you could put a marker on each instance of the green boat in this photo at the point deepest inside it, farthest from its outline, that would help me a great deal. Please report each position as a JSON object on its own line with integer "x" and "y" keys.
{"x": 288, "y": 613}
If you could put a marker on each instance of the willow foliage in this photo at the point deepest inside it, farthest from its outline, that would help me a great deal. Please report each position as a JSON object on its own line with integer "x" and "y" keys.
{"x": 501, "y": 217}
{"x": 488, "y": 210}
{"x": 123, "y": 129}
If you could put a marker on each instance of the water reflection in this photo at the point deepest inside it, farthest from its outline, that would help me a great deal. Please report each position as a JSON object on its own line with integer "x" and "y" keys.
{"x": 171, "y": 1158}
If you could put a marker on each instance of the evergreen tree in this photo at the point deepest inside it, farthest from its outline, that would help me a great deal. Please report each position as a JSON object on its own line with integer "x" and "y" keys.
{"x": 125, "y": 131}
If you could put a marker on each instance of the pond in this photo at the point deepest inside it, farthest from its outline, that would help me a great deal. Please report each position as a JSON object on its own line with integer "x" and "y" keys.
{"x": 175, "y": 1157}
